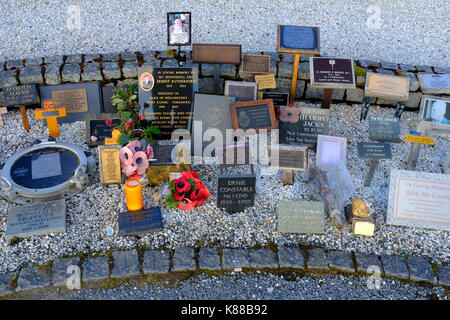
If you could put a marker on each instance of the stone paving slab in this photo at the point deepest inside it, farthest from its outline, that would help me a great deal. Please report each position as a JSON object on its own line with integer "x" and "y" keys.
{"x": 95, "y": 268}
{"x": 389, "y": 65}
{"x": 128, "y": 56}
{"x": 152, "y": 63}
{"x": 395, "y": 266}
{"x": 421, "y": 270}
{"x": 91, "y": 72}
{"x": 71, "y": 73}
{"x": 52, "y": 75}
{"x": 183, "y": 259}
{"x": 155, "y": 261}
{"x": 290, "y": 257}
{"x": 111, "y": 70}
{"x": 130, "y": 69}
{"x": 263, "y": 258}
{"x": 444, "y": 276}
{"x": 112, "y": 56}
{"x": 341, "y": 260}
{"x": 317, "y": 259}
{"x": 33, "y": 277}
{"x": 126, "y": 263}
{"x": 170, "y": 63}
{"x": 209, "y": 259}
{"x": 60, "y": 269}
{"x": 5, "y": 279}
{"x": 54, "y": 59}
{"x": 235, "y": 258}
{"x": 365, "y": 260}
{"x": 8, "y": 78}
{"x": 424, "y": 69}
{"x": 33, "y": 62}
{"x": 32, "y": 74}
{"x": 73, "y": 58}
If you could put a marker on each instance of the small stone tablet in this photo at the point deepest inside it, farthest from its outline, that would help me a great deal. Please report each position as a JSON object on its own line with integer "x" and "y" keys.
{"x": 301, "y": 217}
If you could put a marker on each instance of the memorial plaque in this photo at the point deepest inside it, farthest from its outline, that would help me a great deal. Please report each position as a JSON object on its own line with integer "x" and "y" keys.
{"x": 387, "y": 86}
{"x": 107, "y": 93}
{"x": 374, "y": 150}
{"x": 109, "y": 163}
{"x": 435, "y": 115}
{"x": 301, "y": 126}
{"x": 265, "y": 81}
{"x": 384, "y": 128}
{"x": 301, "y": 217}
{"x": 419, "y": 139}
{"x": 255, "y": 63}
{"x": 434, "y": 83}
{"x": 216, "y": 53}
{"x": 235, "y": 193}
{"x": 332, "y": 73}
{"x": 100, "y": 126}
{"x": 79, "y": 99}
{"x": 241, "y": 90}
{"x": 139, "y": 223}
{"x": 419, "y": 199}
{"x": 278, "y": 98}
{"x": 36, "y": 219}
{"x": 163, "y": 155}
{"x": 288, "y": 157}
{"x": 20, "y": 96}
{"x": 256, "y": 115}
{"x": 210, "y": 112}
{"x": 330, "y": 150}
{"x": 298, "y": 39}
{"x": 165, "y": 98}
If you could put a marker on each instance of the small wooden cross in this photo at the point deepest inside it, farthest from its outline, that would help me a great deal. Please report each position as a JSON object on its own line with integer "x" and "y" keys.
{"x": 3, "y": 110}
{"x": 51, "y": 114}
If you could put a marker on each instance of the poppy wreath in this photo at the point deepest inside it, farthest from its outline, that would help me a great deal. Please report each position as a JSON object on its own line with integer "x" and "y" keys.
{"x": 186, "y": 192}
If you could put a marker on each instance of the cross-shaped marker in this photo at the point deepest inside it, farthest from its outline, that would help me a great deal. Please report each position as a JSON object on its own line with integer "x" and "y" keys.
{"x": 3, "y": 110}
{"x": 51, "y": 114}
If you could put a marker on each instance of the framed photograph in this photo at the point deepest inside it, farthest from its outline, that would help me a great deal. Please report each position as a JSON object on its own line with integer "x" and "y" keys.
{"x": 256, "y": 115}
{"x": 241, "y": 90}
{"x": 435, "y": 114}
{"x": 298, "y": 39}
{"x": 287, "y": 157}
{"x": 330, "y": 150}
{"x": 178, "y": 28}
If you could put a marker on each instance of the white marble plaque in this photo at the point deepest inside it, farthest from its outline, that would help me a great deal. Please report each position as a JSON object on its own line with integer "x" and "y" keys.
{"x": 434, "y": 83}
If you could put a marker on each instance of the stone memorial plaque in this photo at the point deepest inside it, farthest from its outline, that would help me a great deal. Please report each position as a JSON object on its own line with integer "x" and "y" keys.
{"x": 241, "y": 90}
{"x": 278, "y": 98}
{"x": 79, "y": 99}
{"x": 216, "y": 53}
{"x": 210, "y": 112}
{"x": 434, "y": 83}
{"x": 255, "y": 63}
{"x": 301, "y": 217}
{"x": 97, "y": 126}
{"x": 288, "y": 157}
{"x": 20, "y": 96}
{"x": 330, "y": 150}
{"x": 332, "y": 73}
{"x": 384, "y": 128}
{"x": 109, "y": 163}
{"x": 107, "y": 93}
{"x": 298, "y": 39}
{"x": 236, "y": 192}
{"x": 36, "y": 219}
{"x": 256, "y": 115}
{"x": 387, "y": 86}
{"x": 138, "y": 223}
{"x": 435, "y": 115}
{"x": 166, "y": 98}
{"x": 301, "y": 126}
{"x": 265, "y": 81}
{"x": 163, "y": 155}
{"x": 374, "y": 150}
{"x": 419, "y": 199}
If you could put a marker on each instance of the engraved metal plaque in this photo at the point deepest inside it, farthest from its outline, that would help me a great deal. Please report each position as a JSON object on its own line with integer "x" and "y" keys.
{"x": 216, "y": 53}
{"x": 109, "y": 164}
{"x": 255, "y": 63}
{"x": 74, "y": 100}
{"x": 288, "y": 157}
{"x": 301, "y": 217}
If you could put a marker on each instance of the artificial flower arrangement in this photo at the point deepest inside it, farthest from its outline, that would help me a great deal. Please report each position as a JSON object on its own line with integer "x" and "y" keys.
{"x": 135, "y": 157}
{"x": 186, "y": 192}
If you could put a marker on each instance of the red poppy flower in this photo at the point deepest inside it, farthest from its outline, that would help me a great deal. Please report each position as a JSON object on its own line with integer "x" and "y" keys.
{"x": 185, "y": 204}
{"x": 108, "y": 122}
{"x": 201, "y": 192}
{"x": 190, "y": 174}
{"x": 182, "y": 185}
{"x": 289, "y": 114}
{"x": 179, "y": 195}
{"x": 128, "y": 124}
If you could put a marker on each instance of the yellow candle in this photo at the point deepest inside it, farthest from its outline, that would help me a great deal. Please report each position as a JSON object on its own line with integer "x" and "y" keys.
{"x": 133, "y": 193}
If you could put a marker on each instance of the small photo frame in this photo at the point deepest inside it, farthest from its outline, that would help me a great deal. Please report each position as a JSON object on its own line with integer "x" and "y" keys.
{"x": 330, "y": 151}
{"x": 435, "y": 113}
{"x": 287, "y": 157}
{"x": 178, "y": 28}
{"x": 241, "y": 90}
{"x": 109, "y": 164}
{"x": 257, "y": 115}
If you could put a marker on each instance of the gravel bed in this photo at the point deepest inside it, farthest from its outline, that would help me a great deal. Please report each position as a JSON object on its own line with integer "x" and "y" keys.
{"x": 409, "y": 31}
{"x": 93, "y": 212}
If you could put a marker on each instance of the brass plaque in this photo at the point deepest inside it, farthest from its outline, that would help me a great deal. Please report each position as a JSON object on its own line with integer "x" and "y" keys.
{"x": 109, "y": 162}
{"x": 255, "y": 63}
{"x": 74, "y": 100}
{"x": 387, "y": 86}
{"x": 216, "y": 53}
{"x": 265, "y": 81}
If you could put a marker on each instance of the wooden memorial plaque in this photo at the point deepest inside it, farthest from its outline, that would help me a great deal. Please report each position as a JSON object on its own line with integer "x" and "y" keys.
{"x": 288, "y": 157}
{"x": 256, "y": 115}
{"x": 241, "y": 90}
{"x": 387, "y": 86}
{"x": 298, "y": 39}
{"x": 434, "y": 115}
{"x": 216, "y": 53}
{"x": 255, "y": 63}
{"x": 109, "y": 164}
{"x": 332, "y": 73}
{"x": 265, "y": 81}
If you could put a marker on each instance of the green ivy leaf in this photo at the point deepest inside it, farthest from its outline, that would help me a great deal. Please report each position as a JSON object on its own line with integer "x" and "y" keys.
{"x": 154, "y": 130}
{"x": 124, "y": 138}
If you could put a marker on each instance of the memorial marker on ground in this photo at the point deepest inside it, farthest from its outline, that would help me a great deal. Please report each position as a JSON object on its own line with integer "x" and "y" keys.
{"x": 241, "y": 90}
{"x": 384, "y": 129}
{"x": 256, "y": 64}
{"x": 99, "y": 127}
{"x": 288, "y": 159}
{"x": 256, "y": 115}
{"x": 109, "y": 164}
{"x": 235, "y": 193}
{"x": 301, "y": 217}
{"x": 21, "y": 96}
{"x": 434, "y": 83}
{"x": 435, "y": 115}
{"x": 374, "y": 152}
{"x": 279, "y": 99}
{"x": 141, "y": 222}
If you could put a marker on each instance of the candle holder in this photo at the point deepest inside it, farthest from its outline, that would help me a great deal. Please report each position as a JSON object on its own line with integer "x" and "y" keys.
{"x": 133, "y": 194}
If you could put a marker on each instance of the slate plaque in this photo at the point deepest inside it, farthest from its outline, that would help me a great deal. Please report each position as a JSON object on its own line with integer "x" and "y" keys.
{"x": 257, "y": 115}
{"x": 278, "y": 98}
{"x": 434, "y": 83}
{"x": 301, "y": 126}
{"x": 210, "y": 112}
{"x": 374, "y": 150}
{"x": 166, "y": 98}
{"x": 384, "y": 128}
{"x": 241, "y": 90}
{"x": 216, "y": 53}
{"x": 36, "y": 219}
{"x": 20, "y": 96}
{"x": 163, "y": 155}
{"x": 387, "y": 86}
{"x": 301, "y": 217}
{"x": 236, "y": 192}
{"x": 332, "y": 73}
{"x": 255, "y": 63}
{"x": 97, "y": 126}
{"x": 109, "y": 164}
{"x": 419, "y": 199}
{"x": 79, "y": 99}
{"x": 288, "y": 157}
{"x": 298, "y": 39}
{"x": 140, "y": 222}
{"x": 107, "y": 93}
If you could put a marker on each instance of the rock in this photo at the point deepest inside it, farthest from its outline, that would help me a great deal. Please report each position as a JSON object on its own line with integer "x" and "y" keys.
{"x": 317, "y": 259}
{"x": 33, "y": 278}
{"x": 155, "y": 261}
{"x": 126, "y": 263}
{"x": 91, "y": 72}
{"x": 209, "y": 259}
{"x": 263, "y": 258}
{"x": 290, "y": 257}
{"x": 71, "y": 73}
{"x": 111, "y": 70}
{"x": 183, "y": 259}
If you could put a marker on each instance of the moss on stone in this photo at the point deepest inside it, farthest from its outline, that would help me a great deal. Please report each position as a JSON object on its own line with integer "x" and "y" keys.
{"x": 359, "y": 72}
